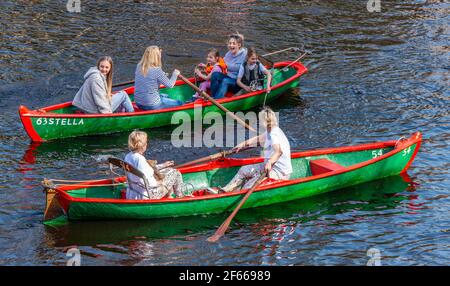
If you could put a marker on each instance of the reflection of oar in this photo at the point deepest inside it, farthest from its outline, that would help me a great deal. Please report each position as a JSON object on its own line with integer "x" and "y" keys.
{"x": 223, "y": 228}
{"x": 213, "y": 101}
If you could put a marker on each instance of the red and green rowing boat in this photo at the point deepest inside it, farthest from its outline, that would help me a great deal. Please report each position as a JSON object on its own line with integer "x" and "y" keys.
{"x": 64, "y": 120}
{"x": 315, "y": 172}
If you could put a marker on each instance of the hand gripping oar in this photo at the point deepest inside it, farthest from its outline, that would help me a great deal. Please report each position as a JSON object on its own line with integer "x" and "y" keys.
{"x": 216, "y": 156}
{"x": 224, "y": 226}
{"x": 245, "y": 146}
{"x": 190, "y": 56}
{"x": 213, "y": 101}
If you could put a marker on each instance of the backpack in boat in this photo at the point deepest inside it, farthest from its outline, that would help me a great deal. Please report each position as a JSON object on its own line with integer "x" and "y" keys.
{"x": 253, "y": 77}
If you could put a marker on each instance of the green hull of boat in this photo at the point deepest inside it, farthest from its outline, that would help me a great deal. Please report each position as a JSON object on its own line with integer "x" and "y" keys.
{"x": 391, "y": 165}
{"x": 54, "y": 124}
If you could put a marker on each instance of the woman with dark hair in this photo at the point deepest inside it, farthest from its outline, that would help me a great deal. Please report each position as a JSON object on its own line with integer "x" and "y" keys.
{"x": 251, "y": 74}
{"x": 234, "y": 58}
{"x": 95, "y": 94}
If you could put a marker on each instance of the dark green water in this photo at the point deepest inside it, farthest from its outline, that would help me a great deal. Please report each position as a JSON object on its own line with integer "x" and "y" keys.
{"x": 372, "y": 76}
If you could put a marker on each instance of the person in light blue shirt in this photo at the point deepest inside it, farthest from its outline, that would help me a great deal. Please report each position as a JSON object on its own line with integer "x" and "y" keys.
{"x": 234, "y": 58}
{"x": 252, "y": 73}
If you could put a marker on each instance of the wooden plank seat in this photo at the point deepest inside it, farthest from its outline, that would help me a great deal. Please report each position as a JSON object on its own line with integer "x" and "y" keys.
{"x": 130, "y": 169}
{"x": 323, "y": 165}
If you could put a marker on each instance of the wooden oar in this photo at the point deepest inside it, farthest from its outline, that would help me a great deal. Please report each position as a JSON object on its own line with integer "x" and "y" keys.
{"x": 123, "y": 83}
{"x": 216, "y": 156}
{"x": 263, "y": 60}
{"x": 213, "y": 101}
{"x": 267, "y": 63}
{"x": 224, "y": 226}
{"x": 280, "y": 51}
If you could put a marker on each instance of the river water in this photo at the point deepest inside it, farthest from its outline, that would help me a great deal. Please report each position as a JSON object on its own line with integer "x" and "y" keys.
{"x": 372, "y": 76}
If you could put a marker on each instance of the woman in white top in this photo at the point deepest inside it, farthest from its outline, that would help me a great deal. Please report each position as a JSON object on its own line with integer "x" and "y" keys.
{"x": 277, "y": 155}
{"x": 159, "y": 185}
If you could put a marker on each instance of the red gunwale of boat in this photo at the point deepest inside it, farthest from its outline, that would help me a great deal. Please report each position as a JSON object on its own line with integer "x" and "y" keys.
{"x": 26, "y": 121}
{"x": 415, "y": 138}
{"x": 25, "y": 112}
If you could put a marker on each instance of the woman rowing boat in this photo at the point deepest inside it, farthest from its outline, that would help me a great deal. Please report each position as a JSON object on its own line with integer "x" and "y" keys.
{"x": 277, "y": 155}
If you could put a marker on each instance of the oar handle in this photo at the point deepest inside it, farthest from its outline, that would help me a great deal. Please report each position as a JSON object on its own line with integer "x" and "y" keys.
{"x": 213, "y": 101}
{"x": 219, "y": 155}
{"x": 223, "y": 228}
{"x": 201, "y": 160}
{"x": 176, "y": 55}
{"x": 280, "y": 51}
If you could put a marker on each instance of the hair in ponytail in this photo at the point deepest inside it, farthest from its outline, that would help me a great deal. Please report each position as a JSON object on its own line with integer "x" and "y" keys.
{"x": 238, "y": 37}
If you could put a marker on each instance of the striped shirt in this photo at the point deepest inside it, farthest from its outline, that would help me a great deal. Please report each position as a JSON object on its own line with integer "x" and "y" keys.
{"x": 146, "y": 88}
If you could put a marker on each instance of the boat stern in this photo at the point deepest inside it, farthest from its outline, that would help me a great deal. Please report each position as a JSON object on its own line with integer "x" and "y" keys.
{"x": 406, "y": 145}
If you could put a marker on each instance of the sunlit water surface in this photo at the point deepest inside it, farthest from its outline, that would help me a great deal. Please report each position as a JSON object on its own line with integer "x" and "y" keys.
{"x": 372, "y": 76}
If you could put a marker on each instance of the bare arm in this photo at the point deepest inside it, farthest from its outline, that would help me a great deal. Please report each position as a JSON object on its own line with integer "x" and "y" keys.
{"x": 250, "y": 142}
{"x": 274, "y": 158}
{"x": 269, "y": 80}
{"x": 243, "y": 86}
{"x": 202, "y": 75}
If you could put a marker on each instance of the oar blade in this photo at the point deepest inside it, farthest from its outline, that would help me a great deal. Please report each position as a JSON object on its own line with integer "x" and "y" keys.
{"x": 224, "y": 226}
{"x": 214, "y": 238}
{"x": 266, "y": 62}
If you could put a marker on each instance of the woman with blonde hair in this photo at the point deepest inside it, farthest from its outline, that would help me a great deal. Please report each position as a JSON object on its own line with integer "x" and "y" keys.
{"x": 277, "y": 155}
{"x": 95, "y": 95}
{"x": 148, "y": 77}
{"x": 162, "y": 180}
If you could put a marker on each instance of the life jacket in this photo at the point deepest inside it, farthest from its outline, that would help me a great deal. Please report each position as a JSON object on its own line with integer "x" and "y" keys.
{"x": 220, "y": 62}
{"x": 255, "y": 76}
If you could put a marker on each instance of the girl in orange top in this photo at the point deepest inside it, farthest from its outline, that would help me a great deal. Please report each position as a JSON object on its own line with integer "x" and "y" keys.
{"x": 214, "y": 64}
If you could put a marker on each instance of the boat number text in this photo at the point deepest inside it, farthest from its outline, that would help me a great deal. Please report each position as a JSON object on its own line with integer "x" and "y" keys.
{"x": 377, "y": 153}
{"x": 406, "y": 151}
{"x": 60, "y": 121}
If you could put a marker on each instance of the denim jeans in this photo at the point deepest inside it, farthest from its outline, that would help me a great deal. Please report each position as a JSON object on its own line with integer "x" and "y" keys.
{"x": 166, "y": 102}
{"x": 221, "y": 83}
{"x": 120, "y": 101}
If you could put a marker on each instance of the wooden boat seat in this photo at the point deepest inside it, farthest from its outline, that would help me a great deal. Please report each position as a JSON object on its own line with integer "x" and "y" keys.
{"x": 129, "y": 169}
{"x": 323, "y": 165}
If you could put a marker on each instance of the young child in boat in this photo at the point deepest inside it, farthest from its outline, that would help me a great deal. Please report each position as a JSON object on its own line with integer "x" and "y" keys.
{"x": 251, "y": 74}
{"x": 148, "y": 77}
{"x": 214, "y": 63}
{"x": 277, "y": 155}
{"x": 95, "y": 94}
{"x": 161, "y": 183}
